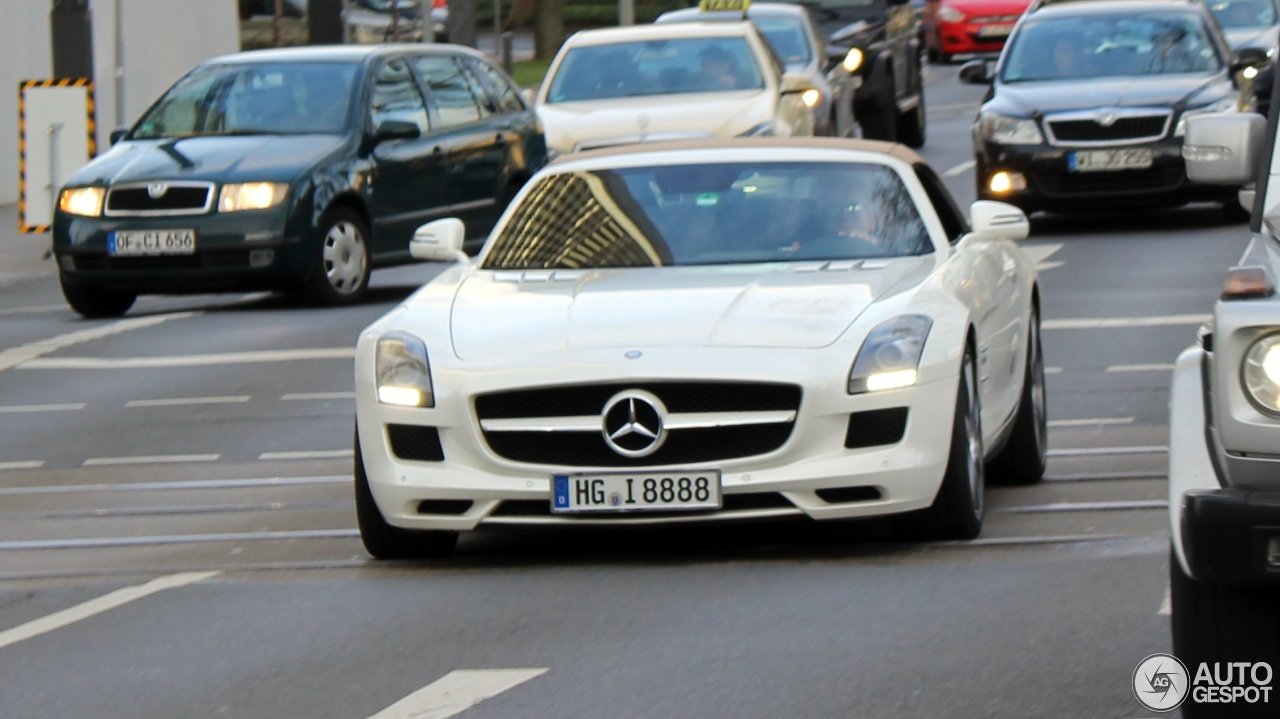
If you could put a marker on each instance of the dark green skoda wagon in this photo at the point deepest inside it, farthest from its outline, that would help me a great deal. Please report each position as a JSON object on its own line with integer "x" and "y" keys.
{"x": 295, "y": 169}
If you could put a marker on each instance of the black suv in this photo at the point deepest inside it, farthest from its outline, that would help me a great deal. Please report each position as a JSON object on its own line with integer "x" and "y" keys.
{"x": 300, "y": 168}
{"x": 890, "y": 104}
{"x": 1088, "y": 104}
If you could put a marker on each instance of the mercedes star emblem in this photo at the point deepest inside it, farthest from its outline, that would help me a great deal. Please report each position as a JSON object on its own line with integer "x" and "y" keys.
{"x": 633, "y": 423}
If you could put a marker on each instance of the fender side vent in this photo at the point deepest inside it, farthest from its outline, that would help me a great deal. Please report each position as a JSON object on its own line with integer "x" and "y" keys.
{"x": 415, "y": 443}
{"x": 875, "y": 428}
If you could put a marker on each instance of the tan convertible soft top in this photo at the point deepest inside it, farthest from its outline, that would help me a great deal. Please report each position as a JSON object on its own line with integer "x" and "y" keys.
{"x": 902, "y": 152}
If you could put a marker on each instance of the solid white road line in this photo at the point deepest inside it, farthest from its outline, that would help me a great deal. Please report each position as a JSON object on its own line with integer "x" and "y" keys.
{"x": 1083, "y": 507}
{"x": 1107, "y": 323}
{"x": 107, "y": 542}
{"x": 180, "y": 401}
{"x": 205, "y": 360}
{"x": 317, "y": 395}
{"x": 33, "y": 309}
{"x": 1166, "y": 606}
{"x": 19, "y": 355}
{"x": 104, "y": 603}
{"x": 1051, "y": 539}
{"x": 1107, "y": 451}
{"x": 1053, "y": 370}
{"x": 150, "y": 459}
{"x": 1094, "y": 422}
{"x": 317, "y": 454}
{"x": 1140, "y": 368}
{"x": 457, "y": 692}
{"x": 32, "y": 464}
{"x": 177, "y": 485}
{"x": 20, "y": 408}
{"x": 960, "y": 169}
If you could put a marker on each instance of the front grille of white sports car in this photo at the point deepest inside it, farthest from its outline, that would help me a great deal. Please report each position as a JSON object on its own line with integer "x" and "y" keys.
{"x": 704, "y": 422}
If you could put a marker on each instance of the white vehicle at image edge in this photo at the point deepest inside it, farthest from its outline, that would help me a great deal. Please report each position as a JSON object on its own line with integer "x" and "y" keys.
{"x": 707, "y": 331}
{"x": 650, "y": 83}
{"x": 1224, "y": 432}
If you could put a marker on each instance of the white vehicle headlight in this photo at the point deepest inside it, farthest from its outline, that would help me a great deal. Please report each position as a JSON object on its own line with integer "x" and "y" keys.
{"x": 403, "y": 373}
{"x": 1260, "y": 374}
{"x": 890, "y": 355}
{"x": 82, "y": 201}
{"x": 950, "y": 14}
{"x": 1009, "y": 130}
{"x": 1224, "y": 105}
{"x": 251, "y": 196}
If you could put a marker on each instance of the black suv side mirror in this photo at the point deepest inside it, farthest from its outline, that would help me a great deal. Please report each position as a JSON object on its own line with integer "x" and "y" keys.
{"x": 397, "y": 130}
{"x": 1249, "y": 57}
{"x": 977, "y": 72}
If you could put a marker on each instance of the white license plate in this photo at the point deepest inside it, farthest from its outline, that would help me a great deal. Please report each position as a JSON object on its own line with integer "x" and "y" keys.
{"x": 126, "y": 243}
{"x": 1109, "y": 160}
{"x": 1001, "y": 30}
{"x": 635, "y": 492}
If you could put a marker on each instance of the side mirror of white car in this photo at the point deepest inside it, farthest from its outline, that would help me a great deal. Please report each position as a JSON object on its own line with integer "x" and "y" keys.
{"x": 1000, "y": 220}
{"x": 439, "y": 241}
{"x": 1222, "y": 148}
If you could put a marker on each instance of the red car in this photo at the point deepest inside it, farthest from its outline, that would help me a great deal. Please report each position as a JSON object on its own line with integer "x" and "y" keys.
{"x": 958, "y": 27}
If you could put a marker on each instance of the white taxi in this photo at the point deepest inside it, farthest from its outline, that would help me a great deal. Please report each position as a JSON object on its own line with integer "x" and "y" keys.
{"x": 668, "y": 82}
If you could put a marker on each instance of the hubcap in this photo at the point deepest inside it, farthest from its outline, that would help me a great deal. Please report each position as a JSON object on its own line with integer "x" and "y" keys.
{"x": 344, "y": 258}
{"x": 973, "y": 436}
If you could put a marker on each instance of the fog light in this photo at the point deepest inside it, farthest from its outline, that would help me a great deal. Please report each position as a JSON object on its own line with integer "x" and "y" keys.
{"x": 1004, "y": 182}
{"x": 261, "y": 258}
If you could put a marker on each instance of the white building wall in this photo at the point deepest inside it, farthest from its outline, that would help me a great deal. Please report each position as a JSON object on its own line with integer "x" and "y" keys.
{"x": 162, "y": 40}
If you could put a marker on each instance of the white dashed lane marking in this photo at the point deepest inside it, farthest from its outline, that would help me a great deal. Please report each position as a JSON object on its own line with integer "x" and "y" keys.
{"x": 960, "y": 169}
{"x": 204, "y": 360}
{"x": 1093, "y": 422}
{"x": 150, "y": 459}
{"x": 176, "y": 485}
{"x": 28, "y": 352}
{"x": 309, "y": 454}
{"x": 183, "y": 401}
{"x": 27, "y": 464}
{"x": 102, "y": 604}
{"x": 1112, "y": 323}
{"x": 1162, "y": 367}
{"x": 457, "y": 692}
{"x": 317, "y": 396}
{"x": 1105, "y": 451}
{"x": 23, "y": 408}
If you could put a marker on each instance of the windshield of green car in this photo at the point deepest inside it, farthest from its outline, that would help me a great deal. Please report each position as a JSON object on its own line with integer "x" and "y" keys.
{"x": 253, "y": 99}
{"x": 787, "y": 38}
{"x": 1243, "y": 13}
{"x": 656, "y": 67}
{"x": 710, "y": 214}
{"x": 1110, "y": 45}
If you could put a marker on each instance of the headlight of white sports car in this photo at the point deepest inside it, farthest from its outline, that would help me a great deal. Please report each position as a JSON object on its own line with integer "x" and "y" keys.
{"x": 1261, "y": 374}
{"x": 403, "y": 373}
{"x": 890, "y": 355}
{"x": 1009, "y": 130}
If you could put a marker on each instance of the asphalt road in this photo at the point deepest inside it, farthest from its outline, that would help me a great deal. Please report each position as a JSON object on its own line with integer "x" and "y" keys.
{"x": 177, "y": 536}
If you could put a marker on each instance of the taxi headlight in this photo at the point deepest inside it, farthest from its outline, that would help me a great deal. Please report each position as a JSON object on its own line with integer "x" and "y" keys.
{"x": 890, "y": 355}
{"x": 811, "y": 98}
{"x": 82, "y": 201}
{"x": 1224, "y": 105}
{"x": 251, "y": 196}
{"x": 1009, "y": 130}
{"x": 853, "y": 60}
{"x": 403, "y": 373}
{"x": 1260, "y": 374}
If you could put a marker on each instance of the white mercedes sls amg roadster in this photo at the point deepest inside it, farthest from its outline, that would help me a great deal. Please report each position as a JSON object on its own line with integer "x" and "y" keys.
{"x": 702, "y": 332}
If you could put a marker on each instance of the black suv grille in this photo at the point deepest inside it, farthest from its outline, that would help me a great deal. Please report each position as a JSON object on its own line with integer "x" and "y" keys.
{"x": 1146, "y": 127}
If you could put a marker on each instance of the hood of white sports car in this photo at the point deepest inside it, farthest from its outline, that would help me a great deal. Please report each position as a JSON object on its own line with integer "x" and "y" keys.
{"x": 793, "y": 305}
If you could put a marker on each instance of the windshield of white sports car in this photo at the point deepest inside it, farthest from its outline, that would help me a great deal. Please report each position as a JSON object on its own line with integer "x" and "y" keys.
{"x": 707, "y": 214}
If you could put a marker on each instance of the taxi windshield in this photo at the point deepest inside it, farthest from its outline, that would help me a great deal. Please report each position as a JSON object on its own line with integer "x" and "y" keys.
{"x": 253, "y": 99}
{"x": 656, "y": 67}
{"x": 1243, "y": 13}
{"x": 787, "y": 38}
{"x": 710, "y": 214}
{"x": 1110, "y": 45}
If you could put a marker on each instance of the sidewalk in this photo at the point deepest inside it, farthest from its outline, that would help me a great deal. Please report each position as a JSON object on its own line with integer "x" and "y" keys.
{"x": 22, "y": 257}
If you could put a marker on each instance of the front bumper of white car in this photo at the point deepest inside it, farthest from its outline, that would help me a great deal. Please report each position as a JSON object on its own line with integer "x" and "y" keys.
{"x": 842, "y": 457}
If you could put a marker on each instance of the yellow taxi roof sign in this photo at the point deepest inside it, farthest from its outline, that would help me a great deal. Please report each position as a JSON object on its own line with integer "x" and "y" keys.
{"x": 724, "y": 6}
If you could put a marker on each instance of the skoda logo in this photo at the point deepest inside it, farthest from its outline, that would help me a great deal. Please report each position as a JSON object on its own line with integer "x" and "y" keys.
{"x": 632, "y": 423}
{"x": 156, "y": 190}
{"x": 1106, "y": 119}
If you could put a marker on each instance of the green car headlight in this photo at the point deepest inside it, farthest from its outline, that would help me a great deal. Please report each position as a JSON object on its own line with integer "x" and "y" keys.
{"x": 251, "y": 196}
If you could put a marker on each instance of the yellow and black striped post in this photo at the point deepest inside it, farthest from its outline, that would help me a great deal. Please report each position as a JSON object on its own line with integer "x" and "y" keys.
{"x": 90, "y": 111}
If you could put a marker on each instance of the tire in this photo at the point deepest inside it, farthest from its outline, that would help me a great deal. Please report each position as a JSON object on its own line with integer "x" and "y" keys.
{"x": 911, "y": 125}
{"x": 1219, "y": 623}
{"x": 340, "y": 274}
{"x": 93, "y": 302}
{"x": 879, "y": 120}
{"x": 383, "y": 541}
{"x": 958, "y": 509}
{"x": 1233, "y": 213}
{"x": 1023, "y": 458}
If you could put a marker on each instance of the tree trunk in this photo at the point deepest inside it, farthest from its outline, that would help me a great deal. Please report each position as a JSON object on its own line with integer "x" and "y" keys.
{"x": 548, "y": 29}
